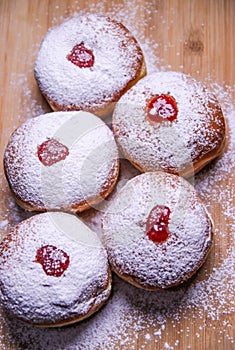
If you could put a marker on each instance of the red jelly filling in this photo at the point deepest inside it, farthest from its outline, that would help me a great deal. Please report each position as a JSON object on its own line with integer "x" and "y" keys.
{"x": 81, "y": 56}
{"x": 52, "y": 151}
{"x": 54, "y": 261}
{"x": 157, "y": 224}
{"x": 161, "y": 108}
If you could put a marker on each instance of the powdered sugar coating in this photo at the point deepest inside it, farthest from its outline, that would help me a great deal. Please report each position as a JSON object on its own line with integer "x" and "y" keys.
{"x": 182, "y": 146}
{"x": 87, "y": 173}
{"x": 118, "y": 61}
{"x": 30, "y": 294}
{"x": 133, "y": 255}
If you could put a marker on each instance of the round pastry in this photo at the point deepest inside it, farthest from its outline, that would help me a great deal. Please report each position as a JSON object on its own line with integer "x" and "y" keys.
{"x": 169, "y": 122}
{"x": 61, "y": 161}
{"x": 87, "y": 63}
{"x": 157, "y": 232}
{"x": 54, "y": 271}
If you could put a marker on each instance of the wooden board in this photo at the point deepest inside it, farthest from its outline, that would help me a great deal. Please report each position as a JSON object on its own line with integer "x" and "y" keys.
{"x": 193, "y": 36}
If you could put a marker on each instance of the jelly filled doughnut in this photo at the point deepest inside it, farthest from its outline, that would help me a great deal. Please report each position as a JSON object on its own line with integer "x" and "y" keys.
{"x": 87, "y": 63}
{"x": 157, "y": 232}
{"x": 54, "y": 271}
{"x": 169, "y": 122}
{"x": 61, "y": 161}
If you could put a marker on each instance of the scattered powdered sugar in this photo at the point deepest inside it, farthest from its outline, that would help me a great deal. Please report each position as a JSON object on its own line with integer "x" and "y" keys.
{"x": 208, "y": 300}
{"x": 28, "y": 100}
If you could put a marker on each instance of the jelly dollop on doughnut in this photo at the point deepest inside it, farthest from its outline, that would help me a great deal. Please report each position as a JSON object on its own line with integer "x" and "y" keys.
{"x": 161, "y": 108}
{"x": 157, "y": 224}
{"x": 52, "y": 151}
{"x": 81, "y": 56}
{"x": 54, "y": 261}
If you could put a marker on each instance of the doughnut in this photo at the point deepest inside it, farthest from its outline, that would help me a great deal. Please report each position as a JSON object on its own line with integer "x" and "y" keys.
{"x": 169, "y": 122}
{"x": 61, "y": 161}
{"x": 157, "y": 232}
{"x": 87, "y": 63}
{"x": 54, "y": 271}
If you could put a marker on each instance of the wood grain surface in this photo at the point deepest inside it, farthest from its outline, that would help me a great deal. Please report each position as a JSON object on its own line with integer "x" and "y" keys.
{"x": 193, "y": 36}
